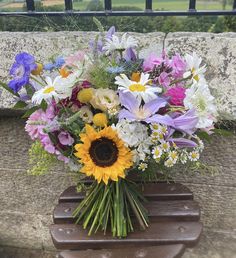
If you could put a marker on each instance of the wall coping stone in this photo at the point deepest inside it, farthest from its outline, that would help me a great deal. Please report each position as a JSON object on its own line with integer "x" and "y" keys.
{"x": 217, "y": 50}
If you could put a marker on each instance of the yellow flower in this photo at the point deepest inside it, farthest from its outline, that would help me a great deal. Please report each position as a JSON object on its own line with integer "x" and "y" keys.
{"x": 135, "y": 77}
{"x": 38, "y": 70}
{"x": 100, "y": 119}
{"x": 85, "y": 95}
{"x": 64, "y": 73}
{"x": 103, "y": 154}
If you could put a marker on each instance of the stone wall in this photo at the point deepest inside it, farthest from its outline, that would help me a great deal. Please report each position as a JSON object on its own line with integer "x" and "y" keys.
{"x": 26, "y": 202}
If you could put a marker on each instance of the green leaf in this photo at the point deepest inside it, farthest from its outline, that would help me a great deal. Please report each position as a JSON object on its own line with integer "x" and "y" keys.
{"x": 44, "y": 105}
{"x": 204, "y": 136}
{"x": 98, "y": 24}
{"x": 30, "y": 111}
{"x": 20, "y": 105}
{"x": 223, "y": 132}
{"x": 6, "y": 87}
{"x": 29, "y": 90}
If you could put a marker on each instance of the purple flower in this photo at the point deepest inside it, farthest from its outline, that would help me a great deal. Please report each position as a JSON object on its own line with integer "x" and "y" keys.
{"x": 130, "y": 55}
{"x": 134, "y": 112}
{"x": 111, "y": 32}
{"x": 65, "y": 138}
{"x": 20, "y": 71}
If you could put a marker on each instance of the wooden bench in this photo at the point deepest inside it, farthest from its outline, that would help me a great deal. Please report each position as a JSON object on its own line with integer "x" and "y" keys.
{"x": 174, "y": 225}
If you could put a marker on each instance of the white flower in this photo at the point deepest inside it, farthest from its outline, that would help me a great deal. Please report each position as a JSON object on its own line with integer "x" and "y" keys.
{"x": 46, "y": 93}
{"x": 157, "y": 152}
{"x": 165, "y": 146}
{"x": 193, "y": 66}
{"x": 173, "y": 155}
{"x": 141, "y": 89}
{"x": 119, "y": 44}
{"x": 142, "y": 166}
{"x": 183, "y": 157}
{"x": 105, "y": 100}
{"x": 194, "y": 155}
{"x": 86, "y": 114}
{"x": 200, "y": 98}
{"x": 60, "y": 88}
{"x": 169, "y": 163}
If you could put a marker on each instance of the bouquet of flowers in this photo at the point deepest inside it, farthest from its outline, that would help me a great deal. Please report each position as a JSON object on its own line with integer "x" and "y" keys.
{"x": 107, "y": 112}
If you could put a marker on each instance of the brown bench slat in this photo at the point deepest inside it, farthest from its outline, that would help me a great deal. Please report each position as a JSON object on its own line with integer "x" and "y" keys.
{"x": 69, "y": 236}
{"x": 152, "y": 191}
{"x": 164, "y": 251}
{"x": 184, "y": 210}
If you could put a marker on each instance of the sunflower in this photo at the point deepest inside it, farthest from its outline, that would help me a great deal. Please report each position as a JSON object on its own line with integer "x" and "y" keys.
{"x": 103, "y": 154}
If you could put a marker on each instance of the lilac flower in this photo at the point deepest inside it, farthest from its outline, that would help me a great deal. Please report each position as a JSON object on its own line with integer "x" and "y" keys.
{"x": 134, "y": 112}
{"x": 20, "y": 70}
{"x": 180, "y": 141}
{"x": 130, "y": 55}
{"x": 110, "y": 32}
{"x": 65, "y": 138}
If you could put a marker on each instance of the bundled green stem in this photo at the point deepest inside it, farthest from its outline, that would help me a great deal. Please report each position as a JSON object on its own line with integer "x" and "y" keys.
{"x": 111, "y": 206}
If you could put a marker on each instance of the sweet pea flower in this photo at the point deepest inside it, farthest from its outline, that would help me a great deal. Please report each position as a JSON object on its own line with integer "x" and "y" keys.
{"x": 65, "y": 138}
{"x": 178, "y": 66}
{"x": 164, "y": 79}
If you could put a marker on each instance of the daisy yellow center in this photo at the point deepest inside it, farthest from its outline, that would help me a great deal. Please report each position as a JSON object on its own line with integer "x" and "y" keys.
{"x": 49, "y": 90}
{"x": 194, "y": 155}
{"x": 137, "y": 87}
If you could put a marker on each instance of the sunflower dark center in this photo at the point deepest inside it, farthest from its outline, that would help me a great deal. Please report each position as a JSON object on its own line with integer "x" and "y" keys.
{"x": 103, "y": 152}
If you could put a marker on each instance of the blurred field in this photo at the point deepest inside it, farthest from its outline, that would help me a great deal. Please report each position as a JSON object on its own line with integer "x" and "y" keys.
{"x": 9, "y": 5}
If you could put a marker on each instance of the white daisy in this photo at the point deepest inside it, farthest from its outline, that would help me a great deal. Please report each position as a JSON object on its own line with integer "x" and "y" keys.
{"x": 141, "y": 89}
{"x": 157, "y": 152}
{"x": 183, "y": 157}
{"x": 193, "y": 67}
{"x": 47, "y": 93}
{"x": 122, "y": 44}
{"x": 59, "y": 88}
{"x": 142, "y": 166}
{"x": 169, "y": 163}
{"x": 173, "y": 155}
{"x": 194, "y": 155}
{"x": 200, "y": 98}
{"x": 165, "y": 146}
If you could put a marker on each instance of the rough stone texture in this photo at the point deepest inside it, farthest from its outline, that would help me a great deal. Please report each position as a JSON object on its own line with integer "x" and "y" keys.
{"x": 218, "y": 52}
{"x": 27, "y": 202}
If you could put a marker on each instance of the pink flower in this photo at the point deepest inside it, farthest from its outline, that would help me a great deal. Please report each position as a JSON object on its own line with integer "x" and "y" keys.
{"x": 74, "y": 59}
{"x": 151, "y": 62}
{"x": 164, "y": 79}
{"x": 47, "y": 144}
{"x": 38, "y": 121}
{"x": 178, "y": 65}
{"x": 177, "y": 95}
{"x": 65, "y": 138}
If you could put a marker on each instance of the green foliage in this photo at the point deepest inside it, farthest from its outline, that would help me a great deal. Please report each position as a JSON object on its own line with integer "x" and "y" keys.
{"x": 99, "y": 77}
{"x": 40, "y": 161}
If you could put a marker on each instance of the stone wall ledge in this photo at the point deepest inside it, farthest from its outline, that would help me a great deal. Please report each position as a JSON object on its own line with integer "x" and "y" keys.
{"x": 217, "y": 50}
